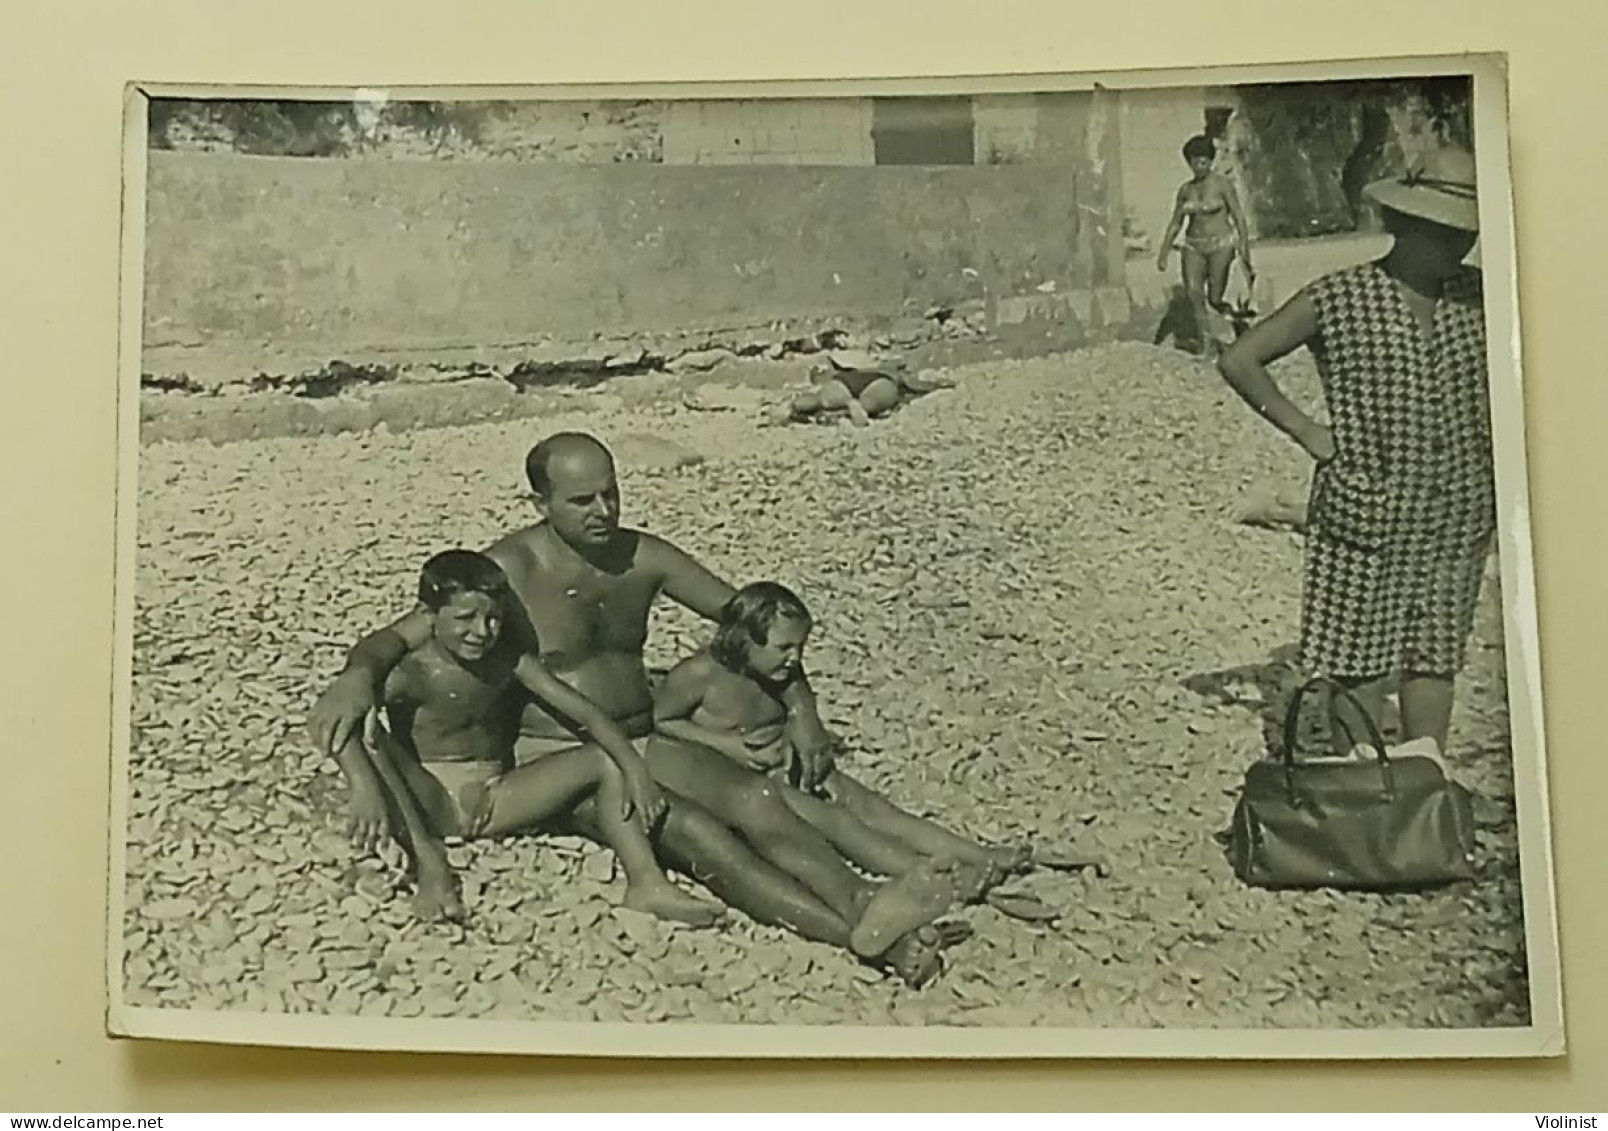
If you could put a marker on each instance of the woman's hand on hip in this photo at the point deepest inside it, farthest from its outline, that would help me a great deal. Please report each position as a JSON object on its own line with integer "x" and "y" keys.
{"x": 1318, "y": 440}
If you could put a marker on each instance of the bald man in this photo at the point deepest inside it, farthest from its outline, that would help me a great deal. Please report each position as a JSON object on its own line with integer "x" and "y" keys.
{"x": 586, "y": 586}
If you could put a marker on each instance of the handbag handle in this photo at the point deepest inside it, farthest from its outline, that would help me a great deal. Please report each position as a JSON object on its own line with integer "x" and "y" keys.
{"x": 1249, "y": 273}
{"x": 1292, "y": 721}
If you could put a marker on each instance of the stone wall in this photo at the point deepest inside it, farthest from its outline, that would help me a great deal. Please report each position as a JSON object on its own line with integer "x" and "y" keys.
{"x": 755, "y": 131}
{"x": 812, "y": 131}
{"x": 260, "y": 257}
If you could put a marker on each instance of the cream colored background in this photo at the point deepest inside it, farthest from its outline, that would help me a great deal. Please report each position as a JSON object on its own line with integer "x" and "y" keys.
{"x": 62, "y": 68}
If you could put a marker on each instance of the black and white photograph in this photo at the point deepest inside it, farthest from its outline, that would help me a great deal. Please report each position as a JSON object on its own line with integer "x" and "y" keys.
{"x": 1026, "y": 567}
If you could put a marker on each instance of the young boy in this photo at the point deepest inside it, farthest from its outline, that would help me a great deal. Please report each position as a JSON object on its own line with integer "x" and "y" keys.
{"x": 443, "y": 765}
{"x": 728, "y": 698}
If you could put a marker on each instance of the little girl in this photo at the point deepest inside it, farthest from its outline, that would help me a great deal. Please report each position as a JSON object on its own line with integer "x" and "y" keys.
{"x": 728, "y": 698}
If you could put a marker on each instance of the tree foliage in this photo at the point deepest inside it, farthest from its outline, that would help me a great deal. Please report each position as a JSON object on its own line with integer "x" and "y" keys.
{"x": 297, "y": 128}
{"x": 1317, "y": 144}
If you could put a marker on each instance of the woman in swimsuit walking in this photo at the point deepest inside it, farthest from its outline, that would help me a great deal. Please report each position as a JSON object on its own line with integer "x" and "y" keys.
{"x": 1216, "y": 230}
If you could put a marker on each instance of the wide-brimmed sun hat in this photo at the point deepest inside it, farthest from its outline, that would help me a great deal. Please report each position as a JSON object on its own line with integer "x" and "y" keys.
{"x": 1439, "y": 188}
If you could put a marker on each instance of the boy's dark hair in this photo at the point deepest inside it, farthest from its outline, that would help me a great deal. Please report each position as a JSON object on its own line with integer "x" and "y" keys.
{"x": 1200, "y": 146}
{"x": 540, "y": 457}
{"x": 748, "y": 617}
{"x": 452, "y": 572}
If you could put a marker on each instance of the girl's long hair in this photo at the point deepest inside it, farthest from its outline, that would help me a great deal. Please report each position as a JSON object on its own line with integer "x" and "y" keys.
{"x": 748, "y": 618}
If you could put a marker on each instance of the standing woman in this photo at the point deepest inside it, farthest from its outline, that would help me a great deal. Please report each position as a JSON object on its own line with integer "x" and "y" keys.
{"x": 1215, "y": 231}
{"x": 1402, "y": 509}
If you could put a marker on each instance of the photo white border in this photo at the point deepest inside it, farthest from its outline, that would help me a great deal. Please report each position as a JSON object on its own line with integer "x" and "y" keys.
{"x": 1543, "y": 1037}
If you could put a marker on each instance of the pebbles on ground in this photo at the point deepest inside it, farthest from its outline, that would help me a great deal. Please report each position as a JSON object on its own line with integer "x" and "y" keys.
{"x": 1037, "y": 616}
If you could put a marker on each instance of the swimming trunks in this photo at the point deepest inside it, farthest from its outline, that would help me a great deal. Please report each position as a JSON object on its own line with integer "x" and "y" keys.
{"x": 857, "y": 381}
{"x": 529, "y": 747}
{"x": 468, "y": 788}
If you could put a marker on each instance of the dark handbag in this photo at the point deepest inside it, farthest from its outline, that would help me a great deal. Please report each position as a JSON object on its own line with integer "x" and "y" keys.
{"x": 1390, "y": 822}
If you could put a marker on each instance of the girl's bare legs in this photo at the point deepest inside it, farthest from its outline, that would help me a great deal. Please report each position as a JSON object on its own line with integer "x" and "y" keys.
{"x": 753, "y": 805}
{"x": 927, "y": 837}
{"x": 869, "y": 848}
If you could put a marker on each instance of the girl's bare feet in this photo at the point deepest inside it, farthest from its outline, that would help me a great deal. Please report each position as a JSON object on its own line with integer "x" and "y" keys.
{"x": 976, "y": 876}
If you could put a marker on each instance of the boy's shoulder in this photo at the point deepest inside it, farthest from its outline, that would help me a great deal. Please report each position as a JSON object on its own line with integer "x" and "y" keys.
{"x": 413, "y": 675}
{"x": 425, "y": 674}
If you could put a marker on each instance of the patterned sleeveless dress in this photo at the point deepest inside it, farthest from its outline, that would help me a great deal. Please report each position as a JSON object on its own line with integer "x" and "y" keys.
{"x": 1402, "y": 518}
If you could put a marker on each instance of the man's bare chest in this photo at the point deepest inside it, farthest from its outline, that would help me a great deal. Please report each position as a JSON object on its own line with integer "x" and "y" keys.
{"x": 579, "y": 612}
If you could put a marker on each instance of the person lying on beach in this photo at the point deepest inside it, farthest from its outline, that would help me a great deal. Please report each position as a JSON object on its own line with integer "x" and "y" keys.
{"x": 441, "y": 764}
{"x": 857, "y": 385}
{"x": 720, "y": 717}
